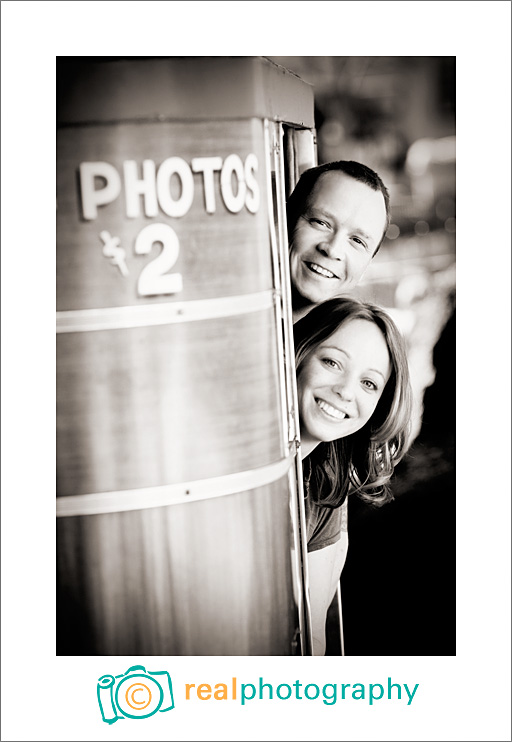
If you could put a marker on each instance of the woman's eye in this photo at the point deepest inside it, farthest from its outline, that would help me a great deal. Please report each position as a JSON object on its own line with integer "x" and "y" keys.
{"x": 370, "y": 385}
{"x": 330, "y": 363}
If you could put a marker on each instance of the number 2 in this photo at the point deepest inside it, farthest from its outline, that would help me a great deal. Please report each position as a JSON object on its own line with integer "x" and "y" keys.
{"x": 154, "y": 279}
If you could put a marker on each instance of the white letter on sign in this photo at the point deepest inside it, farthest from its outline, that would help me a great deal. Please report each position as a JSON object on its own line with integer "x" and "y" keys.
{"x": 154, "y": 279}
{"x": 253, "y": 191}
{"x": 92, "y": 198}
{"x": 207, "y": 166}
{"x": 134, "y": 188}
{"x": 169, "y": 167}
{"x": 233, "y": 164}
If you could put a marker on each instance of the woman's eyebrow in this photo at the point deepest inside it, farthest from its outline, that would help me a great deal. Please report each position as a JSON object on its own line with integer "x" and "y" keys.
{"x": 335, "y": 347}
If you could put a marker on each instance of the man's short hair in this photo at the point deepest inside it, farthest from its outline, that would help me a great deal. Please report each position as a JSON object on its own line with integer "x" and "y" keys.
{"x": 296, "y": 204}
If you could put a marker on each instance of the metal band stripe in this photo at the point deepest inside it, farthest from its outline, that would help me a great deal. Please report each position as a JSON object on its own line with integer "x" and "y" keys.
{"x": 171, "y": 494}
{"x": 115, "y": 318}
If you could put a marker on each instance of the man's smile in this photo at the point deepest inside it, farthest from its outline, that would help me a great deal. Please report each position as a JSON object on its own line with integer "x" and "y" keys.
{"x": 320, "y": 271}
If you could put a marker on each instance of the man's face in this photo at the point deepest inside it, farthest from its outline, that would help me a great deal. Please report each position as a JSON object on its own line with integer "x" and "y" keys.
{"x": 335, "y": 239}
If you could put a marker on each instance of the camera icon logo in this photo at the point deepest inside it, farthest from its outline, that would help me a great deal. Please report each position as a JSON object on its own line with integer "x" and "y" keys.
{"x": 136, "y": 694}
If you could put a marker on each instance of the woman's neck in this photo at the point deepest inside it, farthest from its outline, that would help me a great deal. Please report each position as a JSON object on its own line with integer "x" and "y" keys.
{"x": 306, "y": 447}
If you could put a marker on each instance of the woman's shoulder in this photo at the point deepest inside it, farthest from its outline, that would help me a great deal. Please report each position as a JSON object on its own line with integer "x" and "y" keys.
{"x": 324, "y": 525}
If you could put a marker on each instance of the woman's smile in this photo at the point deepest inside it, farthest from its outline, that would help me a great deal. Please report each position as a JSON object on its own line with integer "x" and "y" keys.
{"x": 331, "y": 411}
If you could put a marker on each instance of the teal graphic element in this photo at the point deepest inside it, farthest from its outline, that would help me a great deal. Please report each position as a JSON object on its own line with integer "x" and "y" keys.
{"x": 136, "y": 694}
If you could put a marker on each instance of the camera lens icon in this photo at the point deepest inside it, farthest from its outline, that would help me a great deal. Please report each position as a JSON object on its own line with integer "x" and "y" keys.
{"x": 139, "y": 696}
{"x": 135, "y": 695}
{"x": 138, "y": 688}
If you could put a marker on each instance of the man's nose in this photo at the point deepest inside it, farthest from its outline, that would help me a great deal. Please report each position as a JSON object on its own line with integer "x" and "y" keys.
{"x": 333, "y": 247}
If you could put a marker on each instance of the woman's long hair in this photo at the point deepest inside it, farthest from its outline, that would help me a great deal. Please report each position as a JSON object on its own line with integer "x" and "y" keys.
{"x": 364, "y": 461}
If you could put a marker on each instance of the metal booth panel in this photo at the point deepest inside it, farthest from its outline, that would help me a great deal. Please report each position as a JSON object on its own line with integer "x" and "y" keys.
{"x": 178, "y": 528}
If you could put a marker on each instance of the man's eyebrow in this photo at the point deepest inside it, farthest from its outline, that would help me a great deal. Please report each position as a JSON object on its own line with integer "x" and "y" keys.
{"x": 322, "y": 211}
{"x": 363, "y": 234}
{"x": 340, "y": 350}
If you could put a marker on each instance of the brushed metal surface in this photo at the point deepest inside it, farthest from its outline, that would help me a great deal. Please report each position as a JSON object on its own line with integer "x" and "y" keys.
{"x": 206, "y": 578}
{"x": 145, "y": 407}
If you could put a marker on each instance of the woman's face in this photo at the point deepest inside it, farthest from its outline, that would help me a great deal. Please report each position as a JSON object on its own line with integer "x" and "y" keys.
{"x": 341, "y": 382}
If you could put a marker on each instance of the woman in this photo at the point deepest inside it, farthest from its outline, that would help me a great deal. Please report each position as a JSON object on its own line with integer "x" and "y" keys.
{"x": 354, "y": 404}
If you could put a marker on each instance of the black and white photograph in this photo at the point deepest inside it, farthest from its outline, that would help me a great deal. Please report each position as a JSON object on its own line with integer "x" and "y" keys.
{"x": 255, "y": 355}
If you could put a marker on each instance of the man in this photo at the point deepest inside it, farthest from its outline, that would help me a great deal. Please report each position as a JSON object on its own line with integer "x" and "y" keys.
{"x": 338, "y": 215}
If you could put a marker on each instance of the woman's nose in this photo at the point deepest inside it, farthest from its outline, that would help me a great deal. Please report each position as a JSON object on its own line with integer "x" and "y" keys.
{"x": 345, "y": 390}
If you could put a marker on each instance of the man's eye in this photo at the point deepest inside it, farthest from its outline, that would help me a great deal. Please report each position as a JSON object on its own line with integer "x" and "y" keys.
{"x": 360, "y": 242}
{"x": 319, "y": 222}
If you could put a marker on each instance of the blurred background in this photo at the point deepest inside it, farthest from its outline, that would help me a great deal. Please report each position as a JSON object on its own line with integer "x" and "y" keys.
{"x": 397, "y": 115}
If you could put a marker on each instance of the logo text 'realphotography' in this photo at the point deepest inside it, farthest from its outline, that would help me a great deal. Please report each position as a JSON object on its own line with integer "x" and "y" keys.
{"x": 328, "y": 693}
